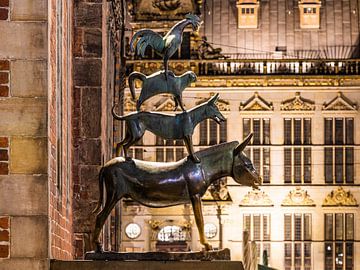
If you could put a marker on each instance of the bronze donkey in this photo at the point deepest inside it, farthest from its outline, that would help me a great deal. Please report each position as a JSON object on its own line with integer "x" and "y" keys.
{"x": 180, "y": 126}
{"x": 157, "y": 84}
{"x": 156, "y": 184}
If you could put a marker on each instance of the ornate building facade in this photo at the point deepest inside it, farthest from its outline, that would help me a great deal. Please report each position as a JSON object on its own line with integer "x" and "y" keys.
{"x": 287, "y": 71}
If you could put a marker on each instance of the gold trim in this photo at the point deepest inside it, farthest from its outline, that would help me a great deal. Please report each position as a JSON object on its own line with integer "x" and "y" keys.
{"x": 298, "y": 197}
{"x": 256, "y": 198}
{"x": 340, "y": 197}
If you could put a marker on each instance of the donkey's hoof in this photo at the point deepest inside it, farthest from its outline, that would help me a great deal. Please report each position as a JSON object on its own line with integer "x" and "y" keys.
{"x": 208, "y": 247}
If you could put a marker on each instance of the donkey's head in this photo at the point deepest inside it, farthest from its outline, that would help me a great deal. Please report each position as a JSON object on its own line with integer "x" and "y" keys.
{"x": 244, "y": 172}
{"x": 212, "y": 110}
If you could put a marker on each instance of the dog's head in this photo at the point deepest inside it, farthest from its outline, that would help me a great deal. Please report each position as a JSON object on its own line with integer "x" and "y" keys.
{"x": 212, "y": 110}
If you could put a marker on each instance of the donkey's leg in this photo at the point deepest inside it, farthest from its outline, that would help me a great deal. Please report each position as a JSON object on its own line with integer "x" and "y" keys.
{"x": 101, "y": 218}
{"x": 190, "y": 148}
{"x": 196, "y": 204}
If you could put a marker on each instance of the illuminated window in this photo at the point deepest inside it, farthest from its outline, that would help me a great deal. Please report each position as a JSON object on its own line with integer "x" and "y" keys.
{"x": 248, "y": 13}
{"x": 339, "y": 152}
{"x": 136, "y": 151}
{"x": 170, "y": 150}
{"x": 171, "y": 233}
{"x": 297, "y": 236}
{"x": 212, "y": 133}
{"x": 339, "y": 237}
{"x": 210, "y": 230}
{"x": 132, "y": 230}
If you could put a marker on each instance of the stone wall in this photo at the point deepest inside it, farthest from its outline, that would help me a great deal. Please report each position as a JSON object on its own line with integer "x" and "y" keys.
{"x": 23, "y": 135}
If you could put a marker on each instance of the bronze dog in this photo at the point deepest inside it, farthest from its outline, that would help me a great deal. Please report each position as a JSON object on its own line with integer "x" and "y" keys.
{"x": 157, "y": 84}
{"x": 180, "y": 126}
{"x": 156, "y": 184}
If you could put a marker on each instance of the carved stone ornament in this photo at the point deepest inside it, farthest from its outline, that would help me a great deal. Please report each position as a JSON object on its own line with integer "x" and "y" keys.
{"x": 256, "y": 198}
{"x": 340, "y": 103}
{"x": 298, "y": 197}
{"x": 129, "y": 104}
{"x": 340, "y": 197}
{"x": 165, "y": 105}
{"x": 223, "y": 105}
{"x": 217, "y": 192}
{"x": 297, "y": 103}
{"x": 256, "y": 103}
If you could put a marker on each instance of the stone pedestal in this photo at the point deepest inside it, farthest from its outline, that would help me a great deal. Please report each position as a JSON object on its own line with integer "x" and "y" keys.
{"x": 146, "y": 265}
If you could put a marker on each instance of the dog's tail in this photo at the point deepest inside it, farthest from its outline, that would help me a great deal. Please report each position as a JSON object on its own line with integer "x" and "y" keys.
{"x": 115, "y": 115}
{"x": 101, "y": 190}
{"x": 132, "y": 77}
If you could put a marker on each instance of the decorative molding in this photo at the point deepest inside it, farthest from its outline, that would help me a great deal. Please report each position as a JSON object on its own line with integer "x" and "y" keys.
{"x": 298, "y": 197}
{"x": 222, "y": 104}
{"x": 340, "y": 103}
{"x": 165, "y": 105}
{"x": 256, "y": 103}
{"x": 297, "y": 103}
{"x": 340, "y": 197}
{"x": 129, "y": 104}
{"x": 256, "y": 198}
{"x": 166, "y": 5}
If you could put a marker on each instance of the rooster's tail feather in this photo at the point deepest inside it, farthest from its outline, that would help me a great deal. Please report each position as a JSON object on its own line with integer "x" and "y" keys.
{"x": 147, "y": 38}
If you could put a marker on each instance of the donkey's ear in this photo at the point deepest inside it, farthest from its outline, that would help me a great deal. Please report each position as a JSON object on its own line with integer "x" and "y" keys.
{"x": 213, "y": 99}
{"x": 242, "y": 146}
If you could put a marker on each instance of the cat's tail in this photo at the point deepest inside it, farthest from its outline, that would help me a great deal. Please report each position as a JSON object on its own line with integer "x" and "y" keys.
{"x": 132, "y": 77}
{"x": 115, "y": 115}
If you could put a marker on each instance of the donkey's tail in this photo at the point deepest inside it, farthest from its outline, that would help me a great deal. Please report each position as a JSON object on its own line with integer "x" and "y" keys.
{"x": 132, "y": 77}
{"x": 101, "y": 190}
{"x": 115, "y": 115}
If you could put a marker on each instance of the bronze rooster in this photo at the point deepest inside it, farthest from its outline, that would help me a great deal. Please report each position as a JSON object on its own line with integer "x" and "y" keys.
{"x": 164, "y": 46}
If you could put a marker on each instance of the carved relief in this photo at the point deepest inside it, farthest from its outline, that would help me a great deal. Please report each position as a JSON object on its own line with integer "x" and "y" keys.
{"x": 297, "y": 103}
{"x": 166, "y": 5}
{"x": 340, "y": 197}
{"x": 298, "y": 197}
{"x": 340, "y": 103}
{"x": 256, "y": 103}
{"x": 256, "y": 198}
{"x": 223, "y": 105}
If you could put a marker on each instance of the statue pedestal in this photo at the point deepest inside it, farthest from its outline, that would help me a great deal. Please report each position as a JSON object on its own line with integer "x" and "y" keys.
{"x": 146, "y": 265}
{"x": 216, "y": 255}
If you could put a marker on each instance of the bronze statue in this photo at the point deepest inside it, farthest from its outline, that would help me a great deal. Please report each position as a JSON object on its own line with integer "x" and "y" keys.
{"x": 178, "y": 126}
{"x": 157, "y": 84}
{"x": 156, "y": 184}
{"x": 164, "y": 46}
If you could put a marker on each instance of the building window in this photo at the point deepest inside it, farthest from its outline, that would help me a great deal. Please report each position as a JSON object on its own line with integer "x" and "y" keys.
{"x": 339, "y": 238}
{"x": 212, "y": 133}
{"x": 171, "y": 234}
{"x": 132, "y": 230}
{"x": 309, "y": 14}
{"x": 297, "y": 236}
{"x": 259, "y": 154}
{"x": 170, "y": 150}
{"x": 339, "y": 153}
{"x": 258, "y": 226}
{"x": 136, "y": 151}
{"x": 297, "y": 159}
{"x": 248, "y": 13}
{"x": 210, "y": 230}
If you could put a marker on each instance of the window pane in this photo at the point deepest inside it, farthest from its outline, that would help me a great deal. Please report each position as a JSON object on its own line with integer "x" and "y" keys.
{"x": 256, "y": 228}
{"x": 349, "y": 256}
{"x": 287, "y": 165}
{"x": 349, "y": 130}
{"x": 223, "y": 131}
{"x": 247, "y": 223}
{"x": 266, "y": 165}
{"x": 349, "y": 177}
{"x": 307, "y": 131}
{"x": 246, "y": 127}
{"x": 203, "y": 132}
{"x": 297, "y": 165}
{"x": 328, "y": 226}
{"x": 297, "y": 224}
{"x": 297, "y": 131}
{"x": 266, "y": 133}
{"x": 287, "y": 227}
{"x": 349, "y": 233}
{"x": 256, "y": 158}
{"x": 307, "y": 227}
{"x": 287, "y": 131}
{"x": 266, "y": 228}
{"x": 328, "y": 131}
{"x": 297, "y": 254}
{"x": 139, "y": 153}
{"x": 328, "y": 165}
{"x": 339, "y": 256}
{"x": 159, "y": 154}
{"x": 169, "y": 151}
{"x": 328, "y": 256}
{"x": 339, "y": 227}
{"x": 288, "y": 252}
{"x": 213, "y": 132}
{"x": 307, "y": 165}
{"x": 307, "y": 256}
{"x": 339, "y": 131}
{"x": 256, "y": 131}
{"x": 339, "y": 165}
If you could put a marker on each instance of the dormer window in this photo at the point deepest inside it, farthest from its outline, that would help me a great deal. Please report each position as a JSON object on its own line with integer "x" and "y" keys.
{"x": 248, "y": 13}
{"x": 309, "y": 14}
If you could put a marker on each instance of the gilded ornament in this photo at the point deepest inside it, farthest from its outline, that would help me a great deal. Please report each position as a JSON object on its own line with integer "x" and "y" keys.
{"x": 340, "y": 197}
{"x": 298, "y": 197}
{"x": 256, "y": 198}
